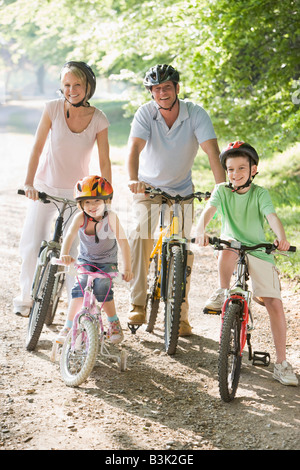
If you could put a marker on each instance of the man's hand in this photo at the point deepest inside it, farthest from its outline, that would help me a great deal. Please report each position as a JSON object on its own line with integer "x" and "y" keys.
{"x": 136, "y": 186}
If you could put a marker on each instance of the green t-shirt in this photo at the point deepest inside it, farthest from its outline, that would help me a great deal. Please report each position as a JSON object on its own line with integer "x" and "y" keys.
{"x": 243, "y": 215}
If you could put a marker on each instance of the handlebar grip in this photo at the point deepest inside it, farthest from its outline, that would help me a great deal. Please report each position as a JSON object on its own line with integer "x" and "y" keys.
{"x": 292, "y": 248}
{"x": 42, "y": 196}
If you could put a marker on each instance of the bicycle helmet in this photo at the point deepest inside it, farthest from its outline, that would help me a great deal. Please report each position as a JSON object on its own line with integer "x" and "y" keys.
{"x": 93, "y": 187}
{"x": 160, "y": 74}
{"x": 239, "y": 148}
{"x": 90, "y": 80}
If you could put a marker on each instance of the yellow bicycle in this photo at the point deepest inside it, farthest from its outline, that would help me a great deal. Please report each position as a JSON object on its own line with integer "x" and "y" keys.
{"x": 168, "y": 267}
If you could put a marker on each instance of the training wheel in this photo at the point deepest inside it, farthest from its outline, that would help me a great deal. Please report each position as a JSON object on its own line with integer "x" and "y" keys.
{"x": 54, "y": 351}
{"x": 123, "y": 361}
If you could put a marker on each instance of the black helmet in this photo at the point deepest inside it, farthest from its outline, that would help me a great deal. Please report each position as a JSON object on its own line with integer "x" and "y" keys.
{"x": 238, "y": 147}
{"x": 160, "y": 74}
{"x": 88, "y": 72}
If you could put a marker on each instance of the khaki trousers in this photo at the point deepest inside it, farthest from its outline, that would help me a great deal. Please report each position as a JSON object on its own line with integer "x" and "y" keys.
{"x": 146, "y": 212}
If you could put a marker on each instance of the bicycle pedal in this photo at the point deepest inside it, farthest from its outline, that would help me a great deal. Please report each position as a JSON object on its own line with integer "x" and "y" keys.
{"x": 134, "y": 327}
{"x": 260, "y": 358}
{"x": 210, "y": 311}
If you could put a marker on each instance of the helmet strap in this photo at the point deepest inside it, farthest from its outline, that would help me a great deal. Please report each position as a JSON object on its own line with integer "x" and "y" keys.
{"x": 96, "y": 222}
{"x": 77, "y": 105}
{"x": 166, "y": 109}
{"x": 246, "y": 185}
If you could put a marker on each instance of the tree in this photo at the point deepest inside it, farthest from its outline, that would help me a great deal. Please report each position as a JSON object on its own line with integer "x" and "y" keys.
{"x": 238, "y": 59}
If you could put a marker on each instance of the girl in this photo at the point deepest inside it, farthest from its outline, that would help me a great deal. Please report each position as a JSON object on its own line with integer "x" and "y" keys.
{"x": 99, "y": 231}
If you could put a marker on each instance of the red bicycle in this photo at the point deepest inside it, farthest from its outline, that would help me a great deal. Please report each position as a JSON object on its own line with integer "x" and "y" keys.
{"x": 237, "y": 320}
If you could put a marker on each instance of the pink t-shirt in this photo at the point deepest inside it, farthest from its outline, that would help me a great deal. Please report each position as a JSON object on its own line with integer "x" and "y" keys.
{"x": 67, "y": 155}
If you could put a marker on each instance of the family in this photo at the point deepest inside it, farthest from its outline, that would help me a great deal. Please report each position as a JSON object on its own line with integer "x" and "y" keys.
{"x": 165, "y": 136}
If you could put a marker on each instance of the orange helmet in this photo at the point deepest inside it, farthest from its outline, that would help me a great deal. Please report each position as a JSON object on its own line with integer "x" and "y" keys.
{"x": 93, "y": 187}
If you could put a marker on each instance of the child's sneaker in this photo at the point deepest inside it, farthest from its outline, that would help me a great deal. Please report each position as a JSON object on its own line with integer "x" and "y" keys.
{"x": 215, "y": 302}
{"x": 60, "y": 339}
{"x": 284, "y": 373}
{"x": 115, "y": 333}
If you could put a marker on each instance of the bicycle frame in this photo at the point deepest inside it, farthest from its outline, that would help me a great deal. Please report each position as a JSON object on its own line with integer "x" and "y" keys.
{"x": 46, "y": 288}
{"x": 90, "y": 308}
{"x": 168, "y": 235}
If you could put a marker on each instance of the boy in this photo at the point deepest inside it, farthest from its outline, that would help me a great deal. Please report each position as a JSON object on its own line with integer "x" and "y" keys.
{"x": 243, "y": 207}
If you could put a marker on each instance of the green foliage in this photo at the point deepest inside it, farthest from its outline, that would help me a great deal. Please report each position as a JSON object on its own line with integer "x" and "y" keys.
{"x": 119, "y": 125}
{"x": 240, "y": 60}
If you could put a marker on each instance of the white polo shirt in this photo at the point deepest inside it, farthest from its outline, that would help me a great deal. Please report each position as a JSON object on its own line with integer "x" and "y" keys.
{"x": 168, "y": 156}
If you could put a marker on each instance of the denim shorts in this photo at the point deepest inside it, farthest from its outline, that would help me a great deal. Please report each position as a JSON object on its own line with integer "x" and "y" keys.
{"x": 101, "y": 285}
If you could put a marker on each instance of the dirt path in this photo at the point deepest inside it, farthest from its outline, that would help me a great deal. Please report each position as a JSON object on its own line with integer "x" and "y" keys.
{"x": 160, "y": 402}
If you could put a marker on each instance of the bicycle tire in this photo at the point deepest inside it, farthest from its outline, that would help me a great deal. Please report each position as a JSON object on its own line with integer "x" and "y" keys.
{"x": 76, "y": 365}
{"x": 40, "y": 306}
{"x": 230, "y": 359}
{"x": 174, "y": 297}
{"x": 153, "y": 299}
{"x": 56, "y": 294}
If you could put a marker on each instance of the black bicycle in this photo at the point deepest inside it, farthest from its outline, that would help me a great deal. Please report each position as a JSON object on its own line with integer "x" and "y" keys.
{"x": 47, "y": 287}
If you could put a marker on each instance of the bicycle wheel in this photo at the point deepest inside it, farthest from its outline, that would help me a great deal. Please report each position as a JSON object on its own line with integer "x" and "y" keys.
{"x": 174, "y": 291}
{"x": 56, "y": 294}
{"x": 40, "y": 305}
{"x": 230, "y": 358}
{"x": 77, "y": 364}
{"x": 153, "y": 297}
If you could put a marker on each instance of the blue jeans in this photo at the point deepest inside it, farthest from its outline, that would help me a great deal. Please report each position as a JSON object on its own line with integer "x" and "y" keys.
{"x": 101, "y": 285}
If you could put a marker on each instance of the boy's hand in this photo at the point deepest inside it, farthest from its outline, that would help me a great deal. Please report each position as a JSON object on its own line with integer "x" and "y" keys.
{"x": 127, "y": 276}
{"x": 282, "y": 245}
{"x": 67, "y": 259}
{"x": 202, "y": 239}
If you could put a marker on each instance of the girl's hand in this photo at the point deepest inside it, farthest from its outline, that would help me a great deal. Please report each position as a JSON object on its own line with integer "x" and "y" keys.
{"x": 127, "y": 276}
{"x": 67, "y": 259}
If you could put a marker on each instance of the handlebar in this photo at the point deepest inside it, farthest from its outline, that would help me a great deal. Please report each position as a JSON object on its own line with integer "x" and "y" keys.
{"x": 46, "y": 198}
{"x": 269, "y": 247}
{"x": 74, "y": 269}
{"x": 42, "y": 196}
{"x": 159, "y": 192}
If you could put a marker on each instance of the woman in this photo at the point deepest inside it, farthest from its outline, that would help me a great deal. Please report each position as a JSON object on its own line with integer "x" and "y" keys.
{"x": 65, "y": 137}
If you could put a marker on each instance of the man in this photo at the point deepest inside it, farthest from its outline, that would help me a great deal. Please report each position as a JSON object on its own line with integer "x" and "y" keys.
{"x": 163, "y": 143}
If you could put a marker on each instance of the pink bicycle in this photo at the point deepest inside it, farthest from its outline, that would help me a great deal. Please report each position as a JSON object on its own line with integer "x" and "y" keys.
{"x": 79, "y": 352}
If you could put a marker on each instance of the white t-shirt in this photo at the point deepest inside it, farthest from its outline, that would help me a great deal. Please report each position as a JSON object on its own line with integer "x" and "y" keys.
{"x": 67, "y": 154}
{"x": 169, "y": 154}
